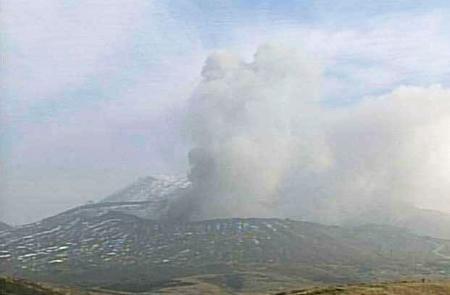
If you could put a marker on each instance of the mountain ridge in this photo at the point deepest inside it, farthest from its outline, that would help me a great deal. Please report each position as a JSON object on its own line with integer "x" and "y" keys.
{"x": 157, "y": 192}
{"x": 97, "y": 250}
{"x": 4, "y": 226}
{"x": 125, "y": 240}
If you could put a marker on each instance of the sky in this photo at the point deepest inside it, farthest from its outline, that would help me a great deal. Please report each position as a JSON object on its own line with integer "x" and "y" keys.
{"x": 92, "y": 93}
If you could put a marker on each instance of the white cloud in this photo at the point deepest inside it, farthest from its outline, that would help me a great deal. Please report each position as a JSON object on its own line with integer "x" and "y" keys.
{"x": 374, "y": 57}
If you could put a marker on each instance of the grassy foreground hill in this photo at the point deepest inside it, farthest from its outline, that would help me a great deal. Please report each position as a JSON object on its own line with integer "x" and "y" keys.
{"x": 397, "y": 288}
{"x": 13, "y": 286}
{"x": 9, "y": 286}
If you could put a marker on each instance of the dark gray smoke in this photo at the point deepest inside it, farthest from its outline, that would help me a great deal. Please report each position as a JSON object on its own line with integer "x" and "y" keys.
{"x": 202, "y": 176}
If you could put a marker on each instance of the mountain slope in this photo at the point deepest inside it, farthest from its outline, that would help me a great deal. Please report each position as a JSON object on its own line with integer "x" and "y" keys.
{"x": 102, "y": 247}
{"x": 10, "y": 286}
{"x": 15, "y": 286}
{"x": 426, "y": 222}
{"x": 149, "y": 188}
{"x": 395, "y": 288}
{"x": 4, "y": 226}
{"x": 123, "y": 243}
{"x": 420, "y": 221}
{"x": 150, "y": 197}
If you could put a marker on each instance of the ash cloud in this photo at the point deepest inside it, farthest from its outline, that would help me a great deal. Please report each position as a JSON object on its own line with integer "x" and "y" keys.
{"x": 265, "y": 144}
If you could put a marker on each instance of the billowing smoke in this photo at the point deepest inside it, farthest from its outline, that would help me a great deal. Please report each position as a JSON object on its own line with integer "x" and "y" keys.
{"x": 265, "y": 145}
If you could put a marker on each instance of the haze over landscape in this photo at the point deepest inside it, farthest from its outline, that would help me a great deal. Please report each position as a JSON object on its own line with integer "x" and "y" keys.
{"x": 305, "y": 108}
{"x": 224, "y": 147}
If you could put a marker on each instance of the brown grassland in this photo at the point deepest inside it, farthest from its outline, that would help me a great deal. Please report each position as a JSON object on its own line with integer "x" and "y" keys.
{"x": 9, "y": 286}
{"x": 394, "y": 288}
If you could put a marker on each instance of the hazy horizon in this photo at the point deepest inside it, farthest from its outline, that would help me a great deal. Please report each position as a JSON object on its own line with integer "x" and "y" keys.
{"x": 302, "y": 105}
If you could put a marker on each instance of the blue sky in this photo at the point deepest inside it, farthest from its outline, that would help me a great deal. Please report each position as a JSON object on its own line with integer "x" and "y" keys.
{"x": 92, "y": 92}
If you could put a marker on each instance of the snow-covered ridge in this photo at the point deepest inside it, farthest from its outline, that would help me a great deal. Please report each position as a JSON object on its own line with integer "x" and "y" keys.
{"x": 4, "y": 226}
{"x": 149, "y": 197}
{"x": 151, "y": 188}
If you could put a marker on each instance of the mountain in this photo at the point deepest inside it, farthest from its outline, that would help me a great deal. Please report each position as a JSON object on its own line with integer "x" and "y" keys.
{"x": 426, "y": 222}
{"x": 150, "y": 188}
{"x": 149, "y": 197}
{"x": 4, "y": 226}
{"x": 94, "y": 246}
{"x": 420, "y": 221}
{"x": 123, "y": 243}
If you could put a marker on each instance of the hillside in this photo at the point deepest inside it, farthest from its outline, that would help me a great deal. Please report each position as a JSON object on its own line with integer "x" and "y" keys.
{"x": 10, "y": 286}
{"x": 150, "y": 187}
{"x": 149, "y": 197}
{"x": 4, "y": 226}
{"x": 122, "y": 243}
{"x": 426, "y": 222}
{"x": 396, "y": 288}
{"x": 14, "y": 286}
{"x": 101, "y": 249}
{"x": 420, "y": 221}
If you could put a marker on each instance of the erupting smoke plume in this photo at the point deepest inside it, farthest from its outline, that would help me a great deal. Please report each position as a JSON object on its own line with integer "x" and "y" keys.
{"x": 265, "y": 145}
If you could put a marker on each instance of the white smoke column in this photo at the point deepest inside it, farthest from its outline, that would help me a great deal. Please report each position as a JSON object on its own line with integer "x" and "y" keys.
{"x": 243, "y": 115}
{"x": 273, "y": 149}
